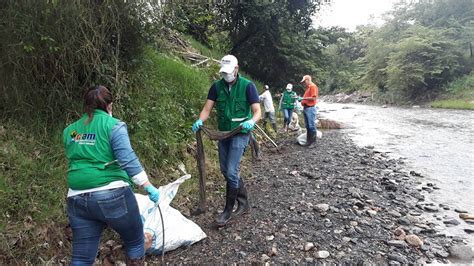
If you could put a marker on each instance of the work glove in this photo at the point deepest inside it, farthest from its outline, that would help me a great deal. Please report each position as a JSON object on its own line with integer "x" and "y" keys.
{"x": 248, "y": 125}
{"x": 197, "y": 125}
{"x": 153, "y": 193}
{"x": 300, "y": 99}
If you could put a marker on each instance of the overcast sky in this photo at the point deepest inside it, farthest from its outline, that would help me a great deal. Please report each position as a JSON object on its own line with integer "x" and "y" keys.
{"x": 350, "y": 13}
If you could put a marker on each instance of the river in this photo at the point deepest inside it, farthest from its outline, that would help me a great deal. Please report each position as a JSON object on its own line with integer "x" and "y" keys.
{"x": 439, "y": 143}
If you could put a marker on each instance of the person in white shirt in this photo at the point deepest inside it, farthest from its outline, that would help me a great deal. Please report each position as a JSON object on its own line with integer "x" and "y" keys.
{"x": 267, "y": 100}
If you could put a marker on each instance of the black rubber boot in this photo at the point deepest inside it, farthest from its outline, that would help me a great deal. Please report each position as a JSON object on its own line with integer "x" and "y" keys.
{"x": 242, "y": 200}
{"x": 224, "y": 217}
{"x": 310, "y": 138}
{"x": 274, "y": 126}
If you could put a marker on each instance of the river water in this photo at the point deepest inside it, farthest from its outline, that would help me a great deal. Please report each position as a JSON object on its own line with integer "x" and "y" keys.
{"x": 438, "y": 143}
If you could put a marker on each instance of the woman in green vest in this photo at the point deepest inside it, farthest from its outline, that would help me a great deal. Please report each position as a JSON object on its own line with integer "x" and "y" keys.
{"x": 287, "y": 104}
{"x": 102, "y": 168}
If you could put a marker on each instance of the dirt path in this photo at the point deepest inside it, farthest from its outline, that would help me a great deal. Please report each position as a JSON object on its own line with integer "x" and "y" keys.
{"x": 333, "y": 202}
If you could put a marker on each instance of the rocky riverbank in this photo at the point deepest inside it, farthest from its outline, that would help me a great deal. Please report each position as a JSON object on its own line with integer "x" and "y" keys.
{"x": 355, "y": 97}
{"x": 333, "y": 202}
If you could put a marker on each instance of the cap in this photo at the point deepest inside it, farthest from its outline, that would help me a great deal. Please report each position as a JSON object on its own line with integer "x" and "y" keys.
{"x": 228, "y": 64}
{"x": 289, "y": 86}
{"x": 266, "y": 87}
{"x": 306, "y": 77}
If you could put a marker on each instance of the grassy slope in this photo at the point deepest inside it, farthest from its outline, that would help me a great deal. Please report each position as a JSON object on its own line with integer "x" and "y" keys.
{"x": 459, "y": 94}
{"x": 32, "y": 164}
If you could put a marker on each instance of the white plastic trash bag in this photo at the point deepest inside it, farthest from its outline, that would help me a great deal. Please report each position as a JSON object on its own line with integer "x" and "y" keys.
{"x": 179, "y": 231}
{"x": 301, "y": 139}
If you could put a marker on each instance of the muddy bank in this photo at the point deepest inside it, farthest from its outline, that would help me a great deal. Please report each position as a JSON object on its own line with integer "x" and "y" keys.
{"x": 334, "y": 202}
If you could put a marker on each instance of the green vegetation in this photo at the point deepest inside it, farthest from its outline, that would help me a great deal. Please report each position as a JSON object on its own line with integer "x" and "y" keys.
{"x": 273, "y": 40}
{"x": 453, "y": 104}
{"x": 156, "y": 93}
{"x": 423, "y": 46}
{"x": 52, "y": 50}
{"x": 458, "y": 94}
{"x": 164, "y": 97}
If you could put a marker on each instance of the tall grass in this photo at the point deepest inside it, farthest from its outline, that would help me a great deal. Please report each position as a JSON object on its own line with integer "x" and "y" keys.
{"x": 164, "y": 97}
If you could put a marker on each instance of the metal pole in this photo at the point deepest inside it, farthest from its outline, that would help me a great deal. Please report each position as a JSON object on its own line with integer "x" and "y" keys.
{"x": 265, "y": 134}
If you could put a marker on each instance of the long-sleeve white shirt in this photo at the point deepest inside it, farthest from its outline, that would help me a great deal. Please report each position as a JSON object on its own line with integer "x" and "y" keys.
{"x": 266, "y": 97}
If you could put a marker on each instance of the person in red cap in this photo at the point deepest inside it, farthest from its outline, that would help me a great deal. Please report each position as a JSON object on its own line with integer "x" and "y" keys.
{"x": 309, "y": 101}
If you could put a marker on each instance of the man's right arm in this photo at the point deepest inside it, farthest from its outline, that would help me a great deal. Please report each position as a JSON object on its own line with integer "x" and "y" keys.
{"x": 206, "y": 110}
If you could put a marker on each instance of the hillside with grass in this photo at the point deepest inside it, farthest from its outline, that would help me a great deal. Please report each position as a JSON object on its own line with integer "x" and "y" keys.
{"x": 164, "y": 97}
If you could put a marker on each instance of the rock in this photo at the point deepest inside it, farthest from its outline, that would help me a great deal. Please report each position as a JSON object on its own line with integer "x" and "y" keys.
{"x": 442, "y": 253}
{"x": 414, "y": 240}
{"x": 460, "y": 211}
{"x": 308, "y": 246}
{"x": 430, "y": 208}
{"x": 466, "y": 216}
{"x": 377, "y": 189}
{"x": 413, "y": 173}
{"x": 322, "y": 254}
{"x": 346, "y": 239}
{"x": 395, "y": 214}
{"x": 397, "y": 257}
{"x": 273, "y": 252}
{"x": 265, "y": 257}
{"x": 444, "y": 206}
{"x": 309, "y": 260}
{"x": 353, "y": 223}
{"x": 270, "y": 238}
{"x": 461, "y": 252}
{"x": 322, "y": 207}
{"x": 399, "y": 233}
{"x": 372, "y": 213}
{"x": 452, "y": 222}
{"x": 397, "y": 243}
{"x": 469, "y": 231}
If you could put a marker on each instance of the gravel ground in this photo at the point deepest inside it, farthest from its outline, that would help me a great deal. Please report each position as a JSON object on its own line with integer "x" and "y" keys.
{"x": 330, "y": 203}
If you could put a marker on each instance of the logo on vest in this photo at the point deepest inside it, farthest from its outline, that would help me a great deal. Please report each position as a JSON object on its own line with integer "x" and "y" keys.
{"x": 83, "y": 139}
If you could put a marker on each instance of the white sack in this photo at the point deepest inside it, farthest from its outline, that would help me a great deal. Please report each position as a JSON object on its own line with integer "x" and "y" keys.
{"x": 179, "y": 231}
{"x": 301, "y": 139}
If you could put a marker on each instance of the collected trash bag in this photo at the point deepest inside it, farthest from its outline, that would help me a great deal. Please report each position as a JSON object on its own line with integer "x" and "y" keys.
{"x": 179, "y": 231}
{"x": 301, "y": 139}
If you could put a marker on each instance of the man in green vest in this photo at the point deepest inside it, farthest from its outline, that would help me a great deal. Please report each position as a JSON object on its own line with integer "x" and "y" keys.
{"x": 237, "y": 104}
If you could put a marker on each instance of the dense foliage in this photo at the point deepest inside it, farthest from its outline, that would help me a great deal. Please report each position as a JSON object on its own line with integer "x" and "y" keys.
{"x": 52, "y": 50}
{"x": 423, "y": 46}
{"x": 273, "y": 40}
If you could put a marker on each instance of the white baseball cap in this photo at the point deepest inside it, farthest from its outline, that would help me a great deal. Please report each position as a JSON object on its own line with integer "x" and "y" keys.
{"x": 289, "y": 86}
{"x": 228, "y": 64}
{"x": 266, "y": 87}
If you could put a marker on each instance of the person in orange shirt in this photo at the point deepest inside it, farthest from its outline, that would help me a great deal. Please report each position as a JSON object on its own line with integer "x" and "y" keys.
{"x": 309, "y": 101}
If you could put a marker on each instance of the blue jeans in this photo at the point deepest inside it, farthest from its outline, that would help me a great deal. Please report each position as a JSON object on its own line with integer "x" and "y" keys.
{"x": 90, "y": 213}
{"x": 287, "y": 113}
{"x": 309, "y": 113}
{"x": 230, "y": 154}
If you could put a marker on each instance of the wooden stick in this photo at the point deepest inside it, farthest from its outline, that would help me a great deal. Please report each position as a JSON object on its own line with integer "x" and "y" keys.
{"x": 201, "y": 163}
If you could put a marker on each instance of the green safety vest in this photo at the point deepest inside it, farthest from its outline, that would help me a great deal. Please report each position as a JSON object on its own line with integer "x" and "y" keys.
{"x": 91, "y": 160}
{"x": 233, "y": 108}
{"x": 288, "y": 101}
